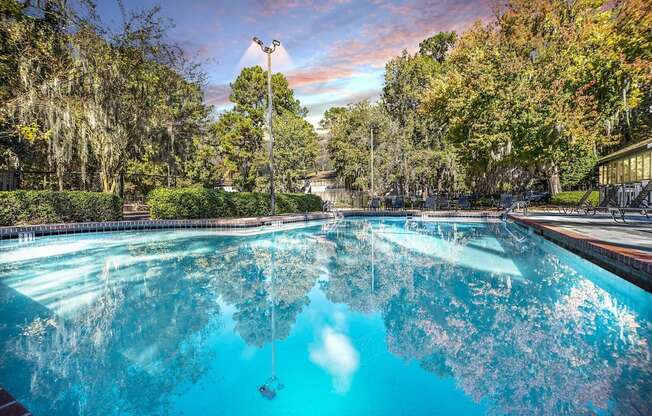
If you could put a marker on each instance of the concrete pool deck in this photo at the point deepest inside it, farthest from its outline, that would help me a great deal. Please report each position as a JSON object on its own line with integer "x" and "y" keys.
{"x": 624, "y": 249}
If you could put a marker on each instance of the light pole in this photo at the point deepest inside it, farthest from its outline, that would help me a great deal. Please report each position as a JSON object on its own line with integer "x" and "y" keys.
{"x": 269, "y": 50}
{"x": 373, "y": 194}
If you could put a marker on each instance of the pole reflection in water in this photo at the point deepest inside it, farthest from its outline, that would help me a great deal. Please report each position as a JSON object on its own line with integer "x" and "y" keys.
{"x": 273, "y": 384}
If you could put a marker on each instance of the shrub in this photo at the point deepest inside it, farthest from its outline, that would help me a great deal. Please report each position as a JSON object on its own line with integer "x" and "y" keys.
{"x": 573, "y": 198}
{"x": 189, "y": 203}
{"x": 48, "y": 207}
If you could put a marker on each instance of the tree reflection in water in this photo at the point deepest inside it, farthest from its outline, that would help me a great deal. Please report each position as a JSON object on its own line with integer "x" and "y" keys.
{"x": 542, "y": 341}
{"x": 511, "y": 322}
{"x": 144, "y": 328}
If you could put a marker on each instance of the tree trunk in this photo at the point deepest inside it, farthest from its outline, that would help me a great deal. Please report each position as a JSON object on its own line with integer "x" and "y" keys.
{"x": 554, "y": 183}
{"x": 60, "y": 178}
{"x": 108, "y": 183}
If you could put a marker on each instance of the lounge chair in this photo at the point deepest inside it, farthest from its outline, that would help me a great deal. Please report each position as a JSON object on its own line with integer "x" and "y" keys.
{"x": 506, "y": 201}
{"x": 581, "y": 206}
{"x": 638, "y": 204}
{"x": 464, "y": 202}
{"x": 430, "y": 204}
{"x": 609, "y": 199}
{"x": 444, "y": 203}
{"x": 399, "y": 203}
{"x": 374, "y": 204}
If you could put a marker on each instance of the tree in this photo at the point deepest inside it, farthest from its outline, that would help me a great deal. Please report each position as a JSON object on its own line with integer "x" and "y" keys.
{"x": 238, "y": 133}
{"x": 427, "y": 153}
{"x": 240, "y": 144}
{"x": 437, "y": 46}
{"x": 296, "y": 148}
{"x": 350, "y": 141}
{"x": 98, "y": 100}
{"x": 526, "y": 91}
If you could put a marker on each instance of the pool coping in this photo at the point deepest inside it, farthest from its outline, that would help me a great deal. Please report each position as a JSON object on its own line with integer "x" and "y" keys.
{"x": 223, "y": 224}
{"x": 633, "y": 265}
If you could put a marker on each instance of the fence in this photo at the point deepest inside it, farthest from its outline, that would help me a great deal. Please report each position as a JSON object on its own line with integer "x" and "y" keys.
{"x": 9, "y": 181}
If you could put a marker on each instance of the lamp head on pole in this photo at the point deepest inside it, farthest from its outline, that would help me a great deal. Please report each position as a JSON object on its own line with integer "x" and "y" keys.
{"x": 265, "y": 48}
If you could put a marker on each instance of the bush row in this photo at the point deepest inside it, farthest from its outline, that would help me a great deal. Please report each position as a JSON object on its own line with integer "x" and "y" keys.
{"x": 49, "y": 207}
{"x": 571, "y": 198}
{"x": 189, "y": 203}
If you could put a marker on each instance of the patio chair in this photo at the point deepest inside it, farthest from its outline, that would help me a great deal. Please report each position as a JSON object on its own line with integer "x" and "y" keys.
{"x": 506, "y": 201}
{"x": 399, "y": 203}
{"x": 464, "y": 202}
{"x": 582, "y": 205}
{"x": 389, "y": 203}
{"x": 637, "y": 205}
{"x": 417, "y": 203}
{"x": 609, "y": 199}
{"x": 430, "y": 204}
{"x": 374, "y": 204}
{"x": 444, "y": 203}
{"x": 327, "y": 206}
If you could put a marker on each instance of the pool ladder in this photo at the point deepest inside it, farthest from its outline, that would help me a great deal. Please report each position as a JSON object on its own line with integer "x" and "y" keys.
{"x": 331, "y": 226}
{"x": 520, "y": 240}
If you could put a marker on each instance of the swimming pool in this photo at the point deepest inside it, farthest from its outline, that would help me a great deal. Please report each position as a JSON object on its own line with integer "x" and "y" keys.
{"x": 368, "y": 317}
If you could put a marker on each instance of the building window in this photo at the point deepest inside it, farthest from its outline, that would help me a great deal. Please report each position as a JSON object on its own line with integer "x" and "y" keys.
{"x": 639, "y": 168}
{"x": 646, "y": 165}
{"x": 601, "y": 174}
{"x": 632, "y": 169}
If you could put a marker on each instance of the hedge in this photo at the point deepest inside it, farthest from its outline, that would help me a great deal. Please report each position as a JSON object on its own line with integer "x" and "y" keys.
{"x": 50, "y": 207}
{"x": 191, "y": 203}
{"x": 571, "y": 198}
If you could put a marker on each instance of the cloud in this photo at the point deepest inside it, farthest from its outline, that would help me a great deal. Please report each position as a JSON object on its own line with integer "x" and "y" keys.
{"x": 217, "y": 95}
{"x": 314, "y": 75}
{"x": 337, "y": 356}
{"x": 386, "y": 36}
{"x": 273, "y": 7}
{"x": 371, "y": 95}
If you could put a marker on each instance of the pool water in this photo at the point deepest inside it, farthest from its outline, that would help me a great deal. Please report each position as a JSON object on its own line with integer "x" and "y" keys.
{"x": 367, "y": 317}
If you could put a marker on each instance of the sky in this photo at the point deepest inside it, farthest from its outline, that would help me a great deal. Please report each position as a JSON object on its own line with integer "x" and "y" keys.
{"x": 333, "y": 52}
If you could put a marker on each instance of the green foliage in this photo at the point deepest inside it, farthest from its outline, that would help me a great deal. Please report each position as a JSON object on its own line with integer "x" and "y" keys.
{"x": 99, "y": 102}
{"x": 49, "y": 207}
{"x": 523, "y": 93}
{"x": 249, "y": 94}
{"x": 350, "y": 141}
{"x": 239, "y": 143}
{"x": 578, "y": 169}
{"x": 235, "y": 149}
{"x": 195, "y": 202}
{"x": 438, "y": 45}
{"x": 571, "y": 198}
{"x": 296, "y": 147}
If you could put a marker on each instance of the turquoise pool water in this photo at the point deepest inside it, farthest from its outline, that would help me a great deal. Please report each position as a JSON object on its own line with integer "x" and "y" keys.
{"x": 372, "y": 317}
